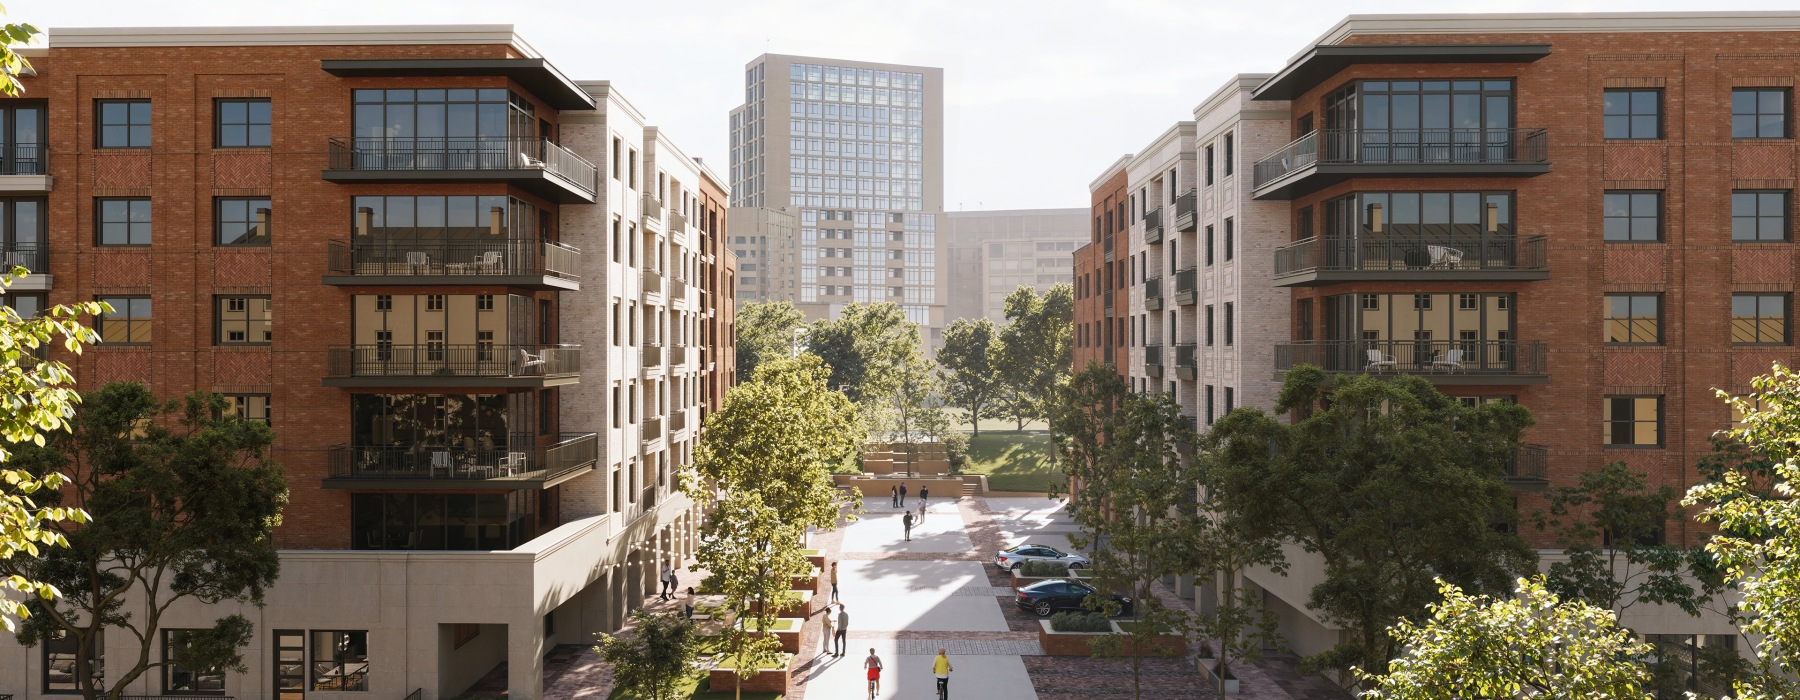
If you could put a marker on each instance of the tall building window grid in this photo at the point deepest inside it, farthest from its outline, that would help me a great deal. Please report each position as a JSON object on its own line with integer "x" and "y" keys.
{"x": 129, "y": 322}
{"x": 242, "y": 123}
{"x": 122, "y": 221}
{"x": 1632, "y": 421}
{"x": 122, "y": 124}
{"x": 1632, "y": 216}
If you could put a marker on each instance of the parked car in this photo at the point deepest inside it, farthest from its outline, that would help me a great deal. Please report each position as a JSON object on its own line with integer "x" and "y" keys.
{"x": 1010, "y": 559}
{"x": 1046, "y": 597}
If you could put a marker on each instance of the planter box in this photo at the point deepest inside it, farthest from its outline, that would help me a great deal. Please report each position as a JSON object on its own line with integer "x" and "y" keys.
{"x": 768, "y": 680}
{"x": 1082, "y": 643}
{"x": 1019, "y": 582}
{"x": 1170, "y": 645}
{"x": 817, "y": 557}
{"x": 805, "y": 583}
{"x": 800, "y": 607}
{"x": 1207, "y": 666}
{"x": 787, "y": 629}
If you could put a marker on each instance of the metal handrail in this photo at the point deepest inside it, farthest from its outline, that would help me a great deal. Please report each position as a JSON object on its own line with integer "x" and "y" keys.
{"x": 1405, "y": 146}
{"x": 1153, "y": 288}
{"x": 422, "y": 153}
{"x": 25, "y": 159}
{"x": 520, "y": 458}
{"x": 31, "y": 256}
{"x": 1492, "y": 357}
{"x": 1153, "y": 355}
{"x": 1187, "y": 281}
{"x": 1530, "y": 462}
{"x": 448, "y": 258}
{"x": 1184, "y": 211}
{"x": 1153, "y": 228}
{"x": 1449, "y": 253}
{"x": 1185, "y": 355}
{"x": 453, "y": 360}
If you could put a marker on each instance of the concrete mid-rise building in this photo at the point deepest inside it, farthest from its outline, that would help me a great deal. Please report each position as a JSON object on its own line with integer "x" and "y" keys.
{"x": 482, "y": 306}
{"x": 767, "y": 244}
{"x": 990, "y": 254}
{"x": 855, "y": 151}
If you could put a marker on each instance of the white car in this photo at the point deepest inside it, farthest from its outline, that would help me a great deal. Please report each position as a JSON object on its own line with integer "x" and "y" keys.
{"x": 1010, "y": 559}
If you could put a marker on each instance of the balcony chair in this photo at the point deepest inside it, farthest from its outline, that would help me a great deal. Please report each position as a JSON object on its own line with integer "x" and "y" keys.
{"x": 527, "y": 360}
{"x": 488, "y": 262}
{"x": 1451, "y": 361}
{"x": 527, "y": 161}
{"x": 512, "y": 463}
{"x": 440, "y": 459}
{"x": 1379, "y": 361}
{"x": 1444, "y": 257}
{"x": 417, "y": 261}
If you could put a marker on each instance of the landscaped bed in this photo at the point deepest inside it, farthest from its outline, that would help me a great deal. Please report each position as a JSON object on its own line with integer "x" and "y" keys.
{"x": 1074, "y": 634}
{"x": 786, "y": 629}
{"x": 723, "y": 677}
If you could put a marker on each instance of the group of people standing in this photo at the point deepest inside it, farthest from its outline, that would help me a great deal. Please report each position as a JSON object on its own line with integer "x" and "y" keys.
{"x": 835, "y": 640}
{"x": 907, "y": 520}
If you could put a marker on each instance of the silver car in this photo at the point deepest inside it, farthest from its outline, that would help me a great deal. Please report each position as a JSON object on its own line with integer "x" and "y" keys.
{"x": 1010, "y": 559}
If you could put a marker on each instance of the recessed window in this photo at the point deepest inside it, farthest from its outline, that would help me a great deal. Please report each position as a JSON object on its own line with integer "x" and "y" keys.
{"x": 1633, "y": 217}
{"x": 59, "y": 661}
{"x": 1759, "y": 319}
{"x": 123, "y": 221}
{"x": 182, "y": 679}
{"x": 241, "y": 221}
{"x": 340, "y": 661}
{"x": 241, "y": 123}
{"x": 128, "y": 323}
{"x": 484, "y": 302}
{"x": 122, "y": 124}
{"x": 1759, "y": 113}
{"x": 1759, "y": 216}
{"x": 1633, "y": 114}
{"x": 1633, "y": 421}
{"x": 250, "y": 406}
{"x": 244, "y": 321}
{"x": 1633, "y": 319}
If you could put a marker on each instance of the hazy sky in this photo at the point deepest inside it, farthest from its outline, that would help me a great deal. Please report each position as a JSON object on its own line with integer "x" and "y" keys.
{"x": 1041, "y": 94}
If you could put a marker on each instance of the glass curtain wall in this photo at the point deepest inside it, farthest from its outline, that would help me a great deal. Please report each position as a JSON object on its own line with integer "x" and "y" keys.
{"x": 1420, "y": 121}
{"x": 1420, "y": 331}
{"x": 1420, "y": 230}
{"x": 484, "y": 521}
{"x": 443, "y": 129}
{"x": 463, "y": 234}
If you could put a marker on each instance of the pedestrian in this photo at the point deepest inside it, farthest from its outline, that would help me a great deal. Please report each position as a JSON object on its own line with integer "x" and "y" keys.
{"x": 834, "y": 590}
{"x": 675, "y": 582}
{"x": 902, "y": 494}
{"x": 941, "y": 668}
{"x": 894, "y": 496}
{"x": 843, "y": 625}
{"x": 924, "y": 492}
{"x": 687, "y": 604}
{"x": 906, "y": 521}
{"x": 667, "y": 574}
{"x": 827, "y": 639}
{"x": 921, "y": 508}
{"x": 873, "y": 663}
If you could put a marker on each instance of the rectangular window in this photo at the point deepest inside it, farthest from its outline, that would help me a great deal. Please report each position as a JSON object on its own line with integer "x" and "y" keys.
{"x": 1759, "y": 216}
{"x": 1633, "y": 421}
{"x": 484, "y": 302}
{"x": 1230, "y": 399}
{"x": 1209, "y": 245}
{"x": 1633, "y": 319}
{"x": 241, "y": 123}
{"x": 1422, "y": 302}
{"x": 243, "y": 321}
{"x": 1230, "y": 234}
{"x": 1209, "y": 324}
{"x": 434, "y": 302}
{"x": 340, "y": 661}
{"x": 1209, "y": 404}
{"x": 1228, "y": 151}
{"x": 180, "y": 679}
{"x": 250, "y": 406}
{"x": 1759, "y": 319}
{"x": 1633, "y": 114}
{"x": 122, "y": 124}
{"x": 1759, "y": 113}
{"x": 1634, "y": 217}
{"x": 59, "y": 662}
{"x": 239, "y": 221}
{"x": 122, "y": 221}
{"x": 128, "y": 323}
{"x": 1229, "y": 318}
{"x": 1209, "y": 165}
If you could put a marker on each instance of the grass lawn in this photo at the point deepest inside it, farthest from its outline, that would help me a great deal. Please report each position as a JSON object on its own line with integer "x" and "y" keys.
{"x": 1013, "y": 461}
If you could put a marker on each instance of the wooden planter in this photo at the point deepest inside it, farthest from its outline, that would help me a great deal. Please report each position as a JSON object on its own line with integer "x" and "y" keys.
{"x": 1082, "y": 643}
{"x": 1207, "y": 671}
{"x": 768, "y": 680}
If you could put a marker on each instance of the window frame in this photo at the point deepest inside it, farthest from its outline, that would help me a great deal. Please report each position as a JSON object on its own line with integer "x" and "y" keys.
{"x": 1787, "y": 318}
{"x": 240, "y": 405}
{"x": 219, "y": 222}
{"x": 100, "y": 222}
{"x": 1661, "y": 215}
{"x": 102, "y": 320}
{"x": 98, "y": 643}
{"x": 1606, "y": 319}
{"x": 1787, "y": 110}
{"x": 1629, "y": 115}
{"x": 249, "y": 123}
{"x": 100, "y": 123}
{"x": 1609, "y": 422}
{"x": 313, "y": 676}
{"x": 219, "y": 328}
{"x": 1787, "y": 215}
{"x": 169, "y": 669}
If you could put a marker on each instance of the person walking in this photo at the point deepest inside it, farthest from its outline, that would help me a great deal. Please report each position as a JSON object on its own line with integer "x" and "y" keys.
{"x": 834, "y": 589}
{"x": 827, "y": 639}
{"x": 921, "y": 509}
{"x": 674, "y": 582}
{"x": 873, "y": 663}
{"x": 941, "y": 668}
{"x": 667, "y": 574}
{"x": 906, "y": 521}
{"x": 902, "y": 494}
{"x": 843, "y": 625}
{"x": 687, "y": 604}
{"x": 894, "y": 496}
{"x": 924, "y": 493}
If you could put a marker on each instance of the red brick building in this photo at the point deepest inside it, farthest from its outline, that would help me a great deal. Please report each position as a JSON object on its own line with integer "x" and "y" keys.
{"x": 1100, "y": 275}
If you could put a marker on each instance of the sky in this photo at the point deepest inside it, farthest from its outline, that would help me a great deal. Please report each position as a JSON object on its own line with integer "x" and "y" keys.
{"x": 1041, "y": 95}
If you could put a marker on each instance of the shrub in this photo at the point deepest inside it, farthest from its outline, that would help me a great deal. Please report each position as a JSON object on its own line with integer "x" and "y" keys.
{"x": 1044, "y": 569}
{"x": 1080, "y": 622}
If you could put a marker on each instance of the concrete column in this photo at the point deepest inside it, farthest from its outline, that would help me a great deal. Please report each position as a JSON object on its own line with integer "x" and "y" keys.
{"x": 525, "y": 659}
{"x": 1184, "y": 586}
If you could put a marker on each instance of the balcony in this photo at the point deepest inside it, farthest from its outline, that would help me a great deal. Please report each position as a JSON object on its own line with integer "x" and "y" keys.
{"x": 653, "y": 282}
{"x": 678, "y": 421}
{"x": 526, "y": 466}
{"x": 1186, "y": 368}
{"x": 31, "y": 256}
{"x": 1153, "y": 229}
{"x": 1330, "y": 156}
{"x": 1187, "y": 283}
{"x": 1529, "y": 468}
{"x": 677, "y": 222}
{"x": 652, "y": 429}
{"x": 678, "y": 355}
{"x": 1185, "y": 221}
{"x": 440, "y": 365}
{"x": 531, "y": 164}
{"x": 25, "y": 169}
{"x": 1153, "y": 361}
{"x": 653, "y": 356}
{"x": 1457, "y": 362}
{"x": 1153, "y": 300}
{"x": 512, "y": 262}
{"x": 1108, "y": 296}
{"x": 1106, "y": 248}
{"x": 653, "y": 207}
{"x": 1490, "y": 258}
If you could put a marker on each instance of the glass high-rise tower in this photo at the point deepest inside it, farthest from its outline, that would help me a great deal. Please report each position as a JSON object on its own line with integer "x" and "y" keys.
{"x": 854, "y": 151}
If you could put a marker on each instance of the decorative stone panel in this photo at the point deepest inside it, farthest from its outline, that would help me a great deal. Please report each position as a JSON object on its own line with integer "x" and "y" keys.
{"x": 243, "y": 367}
{"x": 122, "y": 269}
{"x": 1634, "y": 368}
{"x": 1760, "y": 264}
{"x": 243, "y": 269}
{"x": 1637, "y": 162}
{"x": 1641, "y": 264}
{"x": 1762, "y": 161}
{"x": 243, "y": 170}
{"x": 122, "y": 173}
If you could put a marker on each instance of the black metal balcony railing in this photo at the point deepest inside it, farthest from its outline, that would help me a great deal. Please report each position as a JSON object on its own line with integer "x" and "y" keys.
{"x": 521, "y": 459}
{"x": 1187, "y": 286}
{"x": 1447, "y": 357}
{"x": 25, "y": 159}
{"x": 459, "y": 360}
{"x": 1184, "y": 212}
{"x": 436, "y": 153}
{"x": 1153, "y": 360}
{"x": 1488, "y": 253}
{"x": 498, "y": 257}
{"x": 1106, "y": 248}
{"x": 1405, "y": 147}
{"x": 1186, "y": 362}
{"x": 1530, "y": 463}
{"x": 1108, "y": 302}
{"x": 31, "y": 256}
{"x": 1153, "y": 294}
{"x": 1153, "y": 228}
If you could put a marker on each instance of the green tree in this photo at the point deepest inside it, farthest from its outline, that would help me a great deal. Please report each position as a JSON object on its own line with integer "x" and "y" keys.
{"x": 1040, "y": 349}
{"x": 1749, "y": 496}
{"x": 1389, "y": 482}
{"x": 655, "y": 658}
{"x": 967, "y": 365}
{"x": 12, "y": 65}
{"x": 870, "y": 349}
{"x": 765, "y": 330}
{"x": 1084, "y": 428}
{"x": 752, "y": 556}
{"x": 1530, "y": 646}
{"x": 1225, "y": 547}
{"x": 36, "y": 398}
{"x": 184, "y": 500}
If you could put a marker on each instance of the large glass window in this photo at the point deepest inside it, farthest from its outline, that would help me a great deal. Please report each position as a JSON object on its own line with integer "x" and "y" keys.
{"x": 1759, "y": 113}
{"x": 1421, "y": 331}
{"x": 241, "y": 221}
{"x": 242, "y": 123}
{"x": 1759, "y": 215}
{"x": 476, "y": 234}
{"x": 1633, "y": 319}
{"x": 452, "y": 521}
{"x": 246, "y": 320}
{"x": 340, "y": 661}
{"x": 22, "y": 137}
{"x": 122, "y": 124}
{"x": 1632, "y": 217}
{"x": 59, "y": 662}
{"x": 1633, "y": 114}
{"x": 128, "y": 323}
{"x": 250, "y": 406}
{"x": 1633, "y": 421}
{"x": 123, "y": 221}
{"x": 1759, "y": 319}
{"x": 1412, "y": 121}
{"x": 462, "y": 114}
{"x": 22, "y": 232}
{"x": 464, "y": 421}
{"x": 182, "y": 678}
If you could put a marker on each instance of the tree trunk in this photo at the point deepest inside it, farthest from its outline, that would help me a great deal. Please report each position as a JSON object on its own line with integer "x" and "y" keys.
{"x": 1226, "y": 589}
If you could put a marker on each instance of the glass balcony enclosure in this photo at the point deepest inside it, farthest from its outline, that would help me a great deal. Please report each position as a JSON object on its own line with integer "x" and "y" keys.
{"x": 1414, "y": 236}
{"x": 1452, "y": 335}
{"x": 450, "y": 340}
{"x": 456, "y": 239}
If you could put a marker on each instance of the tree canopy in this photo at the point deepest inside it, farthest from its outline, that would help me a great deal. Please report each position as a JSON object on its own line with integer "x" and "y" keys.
{"x": 1039, "y": 338}
{"x": 766, "y": 330}
{"x": 779, "y": 435}
{"x": 870, "y": 349}
{"x": 968, "y": 365}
